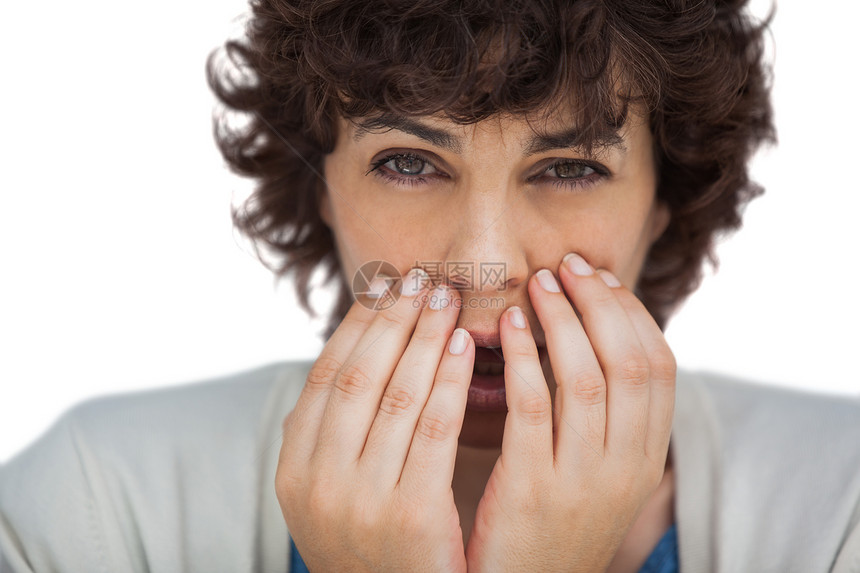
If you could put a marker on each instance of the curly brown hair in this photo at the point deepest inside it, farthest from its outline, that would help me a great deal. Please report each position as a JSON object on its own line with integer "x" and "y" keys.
{"x": 696, "y": 67}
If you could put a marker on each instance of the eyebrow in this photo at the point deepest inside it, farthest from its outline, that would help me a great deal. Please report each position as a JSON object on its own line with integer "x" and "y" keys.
{"x": 539, "y": 143}
{"x": 438, "y": 137}
{"x": 574, "y": 139}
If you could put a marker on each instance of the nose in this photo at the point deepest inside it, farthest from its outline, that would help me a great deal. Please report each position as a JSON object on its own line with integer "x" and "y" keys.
{"x": 486, "y": 255}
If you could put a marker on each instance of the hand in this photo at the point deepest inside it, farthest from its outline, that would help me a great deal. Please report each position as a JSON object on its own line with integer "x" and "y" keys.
{"x": 570, "y": 481}
{"x": 365, "y": 470}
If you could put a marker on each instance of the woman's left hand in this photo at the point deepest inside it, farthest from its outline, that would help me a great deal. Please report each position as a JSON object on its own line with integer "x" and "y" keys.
{"x": 572, "y": 479}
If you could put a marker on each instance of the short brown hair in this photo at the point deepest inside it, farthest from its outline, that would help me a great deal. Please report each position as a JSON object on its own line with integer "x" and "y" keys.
{"x": 696, "y": 67}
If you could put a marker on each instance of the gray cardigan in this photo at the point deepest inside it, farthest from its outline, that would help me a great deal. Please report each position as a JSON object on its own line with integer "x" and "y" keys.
{"x": 181, "y": 479}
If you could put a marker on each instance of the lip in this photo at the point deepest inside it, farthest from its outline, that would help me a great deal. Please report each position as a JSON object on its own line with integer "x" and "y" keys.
{"x": 485, "y": 339}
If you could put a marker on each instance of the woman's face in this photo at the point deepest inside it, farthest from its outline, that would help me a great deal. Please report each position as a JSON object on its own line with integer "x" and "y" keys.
{"x": 484, "y": 206}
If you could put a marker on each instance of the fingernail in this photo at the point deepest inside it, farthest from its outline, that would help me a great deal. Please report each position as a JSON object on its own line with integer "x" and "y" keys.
{"x": 439, "y": 298}
{"x": 547, "y": 281}
{"x": 517, "y": 317}
{"x": 413, "y": 282}
{"x": 458, "y": 341}
{"x": 577, "y": 265}
{"x": 609, "y": 278}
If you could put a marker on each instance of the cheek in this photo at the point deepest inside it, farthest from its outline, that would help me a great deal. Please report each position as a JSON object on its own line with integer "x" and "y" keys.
{"x": 613, "y": 237}
{"x": 368, "y": 230}
{"x": 631, "y": 253}
{"x": 609, "y": 234}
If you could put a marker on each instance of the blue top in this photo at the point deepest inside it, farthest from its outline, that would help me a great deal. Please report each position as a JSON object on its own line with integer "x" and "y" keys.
{"x": 664, "y": 558}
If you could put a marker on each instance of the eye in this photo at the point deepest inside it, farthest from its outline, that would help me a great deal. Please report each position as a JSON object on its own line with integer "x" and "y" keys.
{"x": 405, "y": 168}
{"x": 572, "y": 170}
{"x": 571, "y": 173}
{"x": 408, "y": 165}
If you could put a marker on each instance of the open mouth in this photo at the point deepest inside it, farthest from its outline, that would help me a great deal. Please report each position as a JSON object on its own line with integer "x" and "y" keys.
{"x": 487, "y": 388}
{"x": 492, "y": 369}
{"x": 489, "y": 360}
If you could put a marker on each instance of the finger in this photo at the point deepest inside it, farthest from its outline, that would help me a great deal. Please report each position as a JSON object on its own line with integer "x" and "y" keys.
{"x": 528, "y": 426}
{"x": 429, "y": 466}
{"x": 580, "y": 428}
{"x": 358, "y": 386}
{"x": 662, "y": 367}
{"x": 302, "y": 424}
{"x": 403, "y": 400}
{"x": 619, "y": 352}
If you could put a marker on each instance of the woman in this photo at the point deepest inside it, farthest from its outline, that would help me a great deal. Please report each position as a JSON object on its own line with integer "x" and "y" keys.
{"x": 558, "y": 173}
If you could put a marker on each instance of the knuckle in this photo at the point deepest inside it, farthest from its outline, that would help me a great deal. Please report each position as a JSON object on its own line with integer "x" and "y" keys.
{"x": 321, "y": 499}
{"x": 602, "y": 297}
{"x": 324, "y": 370}
{"x": 655, "y": 477}
{"x": 589, "y": 390}
{"x": 529, "y": 498}
{"x": 390, "y": 318}
{"x": 451, "y": 379}
{"x": 626, "y": 487}
{"x": 429, "y": 336}
{"x": 663, "y": 365}
{"x": 353, "y": 381}
{"x": 411, "y": 519}
{"x": 638, "y": 485}
{"x": 289, "y": 422}
{"x": 521, "y": 352}
{"x": 397, "y": 401}
{"x": 293, "y": 487}
{"x": 633, "y": 370}
{"x": 287, "y": 486}
{"x": 534, "y": 409}
{"x": 534, "y": 501}
{"x": 434, "y": 427}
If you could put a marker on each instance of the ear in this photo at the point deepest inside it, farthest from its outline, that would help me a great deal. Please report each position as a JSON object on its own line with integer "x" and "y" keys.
{"x": 659, "y": 220}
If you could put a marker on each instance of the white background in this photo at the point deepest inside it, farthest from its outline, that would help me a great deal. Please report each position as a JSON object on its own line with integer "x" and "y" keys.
{"x": 121, "y": 270}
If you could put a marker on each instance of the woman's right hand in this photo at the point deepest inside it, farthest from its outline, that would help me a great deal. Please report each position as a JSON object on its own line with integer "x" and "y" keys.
{"x": 365, "y": 470}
